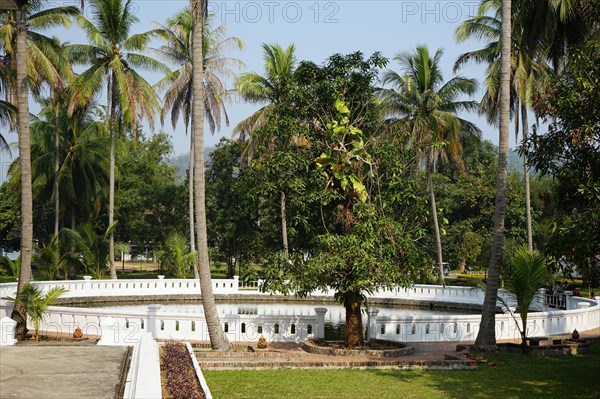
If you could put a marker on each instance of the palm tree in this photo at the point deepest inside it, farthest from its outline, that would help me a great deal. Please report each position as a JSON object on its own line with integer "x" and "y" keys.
{"x": 421, "y": 104}
{"x": 527, "y": 75}
{"x": 218, "y": 340}
{"x": 21, "y": 49}
{"x": 8, "y": 113}
{"x": 92, "y": 247}
{"x": 35, "y": 303}
{"x": 178, "y": 256}
{"x": 271, "y": 89}
{"x": 11, "y": 268}
{"x": 19, "y": 313}
{"x": 114, "y": 57}
{"x": 44, "y": 60}
{"x": 177, "y": 49}
{"x": 486, "y": 337}
{"x": 82, "y": 171}
{"x": 525, "y": 273}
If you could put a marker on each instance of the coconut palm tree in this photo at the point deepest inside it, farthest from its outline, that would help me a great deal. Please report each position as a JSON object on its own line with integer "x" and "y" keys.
{"x": 527, "y": 75}
{"x": 421, "y": 104}
{"x": 177, "y": 35}
{"x": 271, "y": 89}
{"x": 486, "y": 337}
{"x": 114, "y": 56}
{"x": 44, "y": 62}
{"x": 22, "y": 48}
{"x": 218, "y": 340}
{"x": 8, "y": 111}
{"x": 8, "y": 114}
{"x": 83, "y": 161}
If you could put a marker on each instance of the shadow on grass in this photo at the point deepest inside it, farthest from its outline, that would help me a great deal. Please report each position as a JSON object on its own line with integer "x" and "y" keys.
{"x": 515, "y": 376}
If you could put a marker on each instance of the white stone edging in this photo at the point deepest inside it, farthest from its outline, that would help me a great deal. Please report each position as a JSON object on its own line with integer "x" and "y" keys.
{"x": 143, "y": 378}
{"x": 199, "y": 374}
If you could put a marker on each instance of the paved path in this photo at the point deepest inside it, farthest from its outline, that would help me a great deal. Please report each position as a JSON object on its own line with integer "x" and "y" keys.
{"x": 60, "y": 372}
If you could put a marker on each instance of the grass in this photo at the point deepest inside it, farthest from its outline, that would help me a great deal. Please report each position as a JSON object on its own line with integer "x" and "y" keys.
{"x": 515, "y": 376}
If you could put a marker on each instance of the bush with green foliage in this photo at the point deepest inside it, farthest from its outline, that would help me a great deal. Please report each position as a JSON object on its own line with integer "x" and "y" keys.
{"x": 36, "y": 303}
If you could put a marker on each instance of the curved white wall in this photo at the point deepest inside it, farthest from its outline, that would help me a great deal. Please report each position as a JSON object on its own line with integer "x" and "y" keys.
{"x": 120, "y": 326}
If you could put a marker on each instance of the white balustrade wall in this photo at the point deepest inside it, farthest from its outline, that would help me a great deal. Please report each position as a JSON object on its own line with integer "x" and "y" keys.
{"x": 582, "y": 314}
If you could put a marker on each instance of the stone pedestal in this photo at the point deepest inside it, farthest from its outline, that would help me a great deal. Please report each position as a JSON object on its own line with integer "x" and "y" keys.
{"x": 109, "y": 330}
{"x": 372, "y": 323}
{"x": 320, "y": 333}
{"x": 153, "y": 327}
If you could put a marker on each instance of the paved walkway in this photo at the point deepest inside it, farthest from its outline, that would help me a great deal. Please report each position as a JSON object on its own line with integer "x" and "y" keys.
{"x": 60, "y": 372}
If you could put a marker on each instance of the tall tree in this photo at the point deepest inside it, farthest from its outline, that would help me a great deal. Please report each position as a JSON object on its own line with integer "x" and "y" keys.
{"x": 177, "y": 35}
{"x": 19, "y": 314}
{"x": 486, "y": 337}
{"x": 218, "y": 340}
{"x": 29, "y": 51}
{"x": 425, "y": 107}
{"x": 527, "y": 74}
{"x": 280, "y": 64}
{"x": 115, "y": 57}
{"x": 82, "y": 174}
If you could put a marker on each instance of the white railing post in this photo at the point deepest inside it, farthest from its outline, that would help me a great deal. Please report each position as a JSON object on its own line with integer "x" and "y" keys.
{"x": 109, "y": 330}
{"x": 236, "y": 284}
{"x": 321, "y": 322}
{"x": 7, "y": 331}
{"x": 372, "y": 323}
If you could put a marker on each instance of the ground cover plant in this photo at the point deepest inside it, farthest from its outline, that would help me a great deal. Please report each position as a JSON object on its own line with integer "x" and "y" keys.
{"x": 514, "y": 376}
{"x": 177, "y": 373}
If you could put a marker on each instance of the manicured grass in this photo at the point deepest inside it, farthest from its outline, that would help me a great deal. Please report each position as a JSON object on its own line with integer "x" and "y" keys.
{"x": 515, "y": 376}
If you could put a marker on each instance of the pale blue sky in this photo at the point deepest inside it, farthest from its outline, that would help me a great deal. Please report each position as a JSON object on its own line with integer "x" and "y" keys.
{"x": 320, "y": 29}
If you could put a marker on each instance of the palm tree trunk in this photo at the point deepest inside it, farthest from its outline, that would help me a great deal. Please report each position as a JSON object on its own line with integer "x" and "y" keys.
{"x": 56, "y": 166}
{"x": 284, "y": 234}
{"x": 436, "y": 226}
{"x": 526, "y": 176}
{"x": 18, "y": 313}
{"x": 111, "y": 184}
{"x": 191, "y": 202}
{"x": 218, "y": 340}
{"x": 486, "y": 337}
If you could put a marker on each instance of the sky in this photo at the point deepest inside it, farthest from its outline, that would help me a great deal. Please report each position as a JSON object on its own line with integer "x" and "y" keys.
{"x": 318, "y": 29}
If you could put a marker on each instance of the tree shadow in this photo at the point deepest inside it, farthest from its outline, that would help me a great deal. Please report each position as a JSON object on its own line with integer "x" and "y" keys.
{"x": 509, "y": 375}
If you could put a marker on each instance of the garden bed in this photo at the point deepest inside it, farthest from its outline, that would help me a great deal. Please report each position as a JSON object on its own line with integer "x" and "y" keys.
{"x": 568, "y": 347}
{"x": 178, "y": 375}
{"x": 374, "y": 348}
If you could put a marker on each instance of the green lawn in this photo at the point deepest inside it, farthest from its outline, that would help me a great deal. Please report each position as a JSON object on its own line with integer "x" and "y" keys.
{"x": 515, "y": 376}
